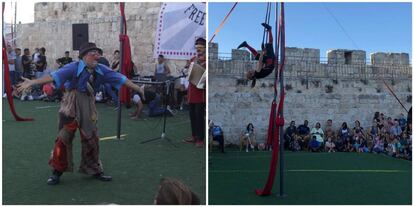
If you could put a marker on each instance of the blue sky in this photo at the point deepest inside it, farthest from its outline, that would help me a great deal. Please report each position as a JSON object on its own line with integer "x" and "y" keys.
{"x": 373, "y": 27}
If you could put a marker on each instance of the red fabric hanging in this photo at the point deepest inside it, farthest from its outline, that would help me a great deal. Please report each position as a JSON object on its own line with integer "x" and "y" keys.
{"x": 270, "y": 129}
{"x": 127, "y": 66}
{"x": 276, "y": 121}
{"x": 273, "y": 136}
{"x": 7, "y": 82}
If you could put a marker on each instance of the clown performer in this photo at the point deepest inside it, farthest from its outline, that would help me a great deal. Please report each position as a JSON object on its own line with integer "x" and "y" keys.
{"x": 78, "y": 110}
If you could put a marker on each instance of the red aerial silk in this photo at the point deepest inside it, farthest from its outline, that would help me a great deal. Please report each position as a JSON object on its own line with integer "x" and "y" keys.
{"x": 276, "y": 120}
{"x": 127, "y": 66}
{"x": 270, "y": 129}
{"x": 7, "y": 83}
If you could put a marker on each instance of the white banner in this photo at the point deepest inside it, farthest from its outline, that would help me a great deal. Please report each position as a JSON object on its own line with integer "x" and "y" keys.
{"x": 178, "y": 26}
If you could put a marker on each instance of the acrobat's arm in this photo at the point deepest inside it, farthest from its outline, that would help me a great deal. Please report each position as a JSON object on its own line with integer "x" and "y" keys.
{"x": 260, "y": 63}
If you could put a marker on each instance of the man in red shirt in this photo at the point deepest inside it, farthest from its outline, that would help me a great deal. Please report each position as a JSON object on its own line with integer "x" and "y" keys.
{"x": 197, "y": 99}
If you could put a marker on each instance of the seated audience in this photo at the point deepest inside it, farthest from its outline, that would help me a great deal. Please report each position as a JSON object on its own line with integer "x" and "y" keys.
{"x": 329, "y": 145}
{"x": 303, "y": 135}
{"x": 344, "y": 140}
{"x": 402, "y": 122}
{"x": 291, "y": 139}
{"x": 317, "y": 132}
{"x": 115, "y": 60}
{"x": 329, "y": 130}
{"x": 64, "y": 60}
{"x": 379, "y": 145}
{"x": 217, "y": 135}
{"x": 396, "y": 128}
{"x": 373, "y": 132}
{"x": 314, "y": 145}
{"x": 358, "y": 132}
{"x": 248, "y": 138}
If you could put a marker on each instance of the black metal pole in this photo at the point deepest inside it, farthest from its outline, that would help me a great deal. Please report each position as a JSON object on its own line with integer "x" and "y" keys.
{"x": 3, "y": 5}
{"x": 121, "y": 63}
{"x": 167, "y": 96}
{"x": 11, "y": 24}
{"x": 15, "y": 24}
{"x": 276, "y": 35}
{"x": 266, "y": 21}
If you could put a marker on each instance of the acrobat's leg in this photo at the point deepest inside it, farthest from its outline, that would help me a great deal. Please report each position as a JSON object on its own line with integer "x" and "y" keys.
{"x": 251, "y": 49}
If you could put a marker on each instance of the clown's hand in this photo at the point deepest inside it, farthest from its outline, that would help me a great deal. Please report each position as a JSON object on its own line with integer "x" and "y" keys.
{"x": 27, "y": 83}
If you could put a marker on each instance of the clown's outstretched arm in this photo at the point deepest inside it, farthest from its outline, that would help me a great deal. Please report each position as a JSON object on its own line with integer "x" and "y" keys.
{"x": 133, "y": 86}
{"x": 27, "y": 83}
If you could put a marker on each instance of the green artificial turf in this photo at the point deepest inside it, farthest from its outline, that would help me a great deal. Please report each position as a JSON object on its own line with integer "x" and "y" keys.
{"x": 310, "y": 178}
{"x": 136, "y": 168}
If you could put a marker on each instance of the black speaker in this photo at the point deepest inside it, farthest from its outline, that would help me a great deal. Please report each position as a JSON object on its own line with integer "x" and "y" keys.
{"x": 80, "y": 35}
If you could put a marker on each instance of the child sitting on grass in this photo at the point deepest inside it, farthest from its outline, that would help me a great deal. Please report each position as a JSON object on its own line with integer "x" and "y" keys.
{"x": 330, "y": 145}
{"x": 379, "y": 145}
{"x": 362, "y": 145}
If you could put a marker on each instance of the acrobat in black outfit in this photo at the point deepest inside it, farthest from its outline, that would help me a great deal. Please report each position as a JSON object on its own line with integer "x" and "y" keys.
{"x": 266, "y": 58}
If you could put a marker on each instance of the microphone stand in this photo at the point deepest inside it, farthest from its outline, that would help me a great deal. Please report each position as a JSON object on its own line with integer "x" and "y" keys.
{"x": 163, "y": 136}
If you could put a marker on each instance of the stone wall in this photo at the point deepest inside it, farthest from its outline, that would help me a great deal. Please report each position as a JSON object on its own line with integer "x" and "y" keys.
{"x": 314, "y": 91}
{"x": 294, "y": 54}
{"x": 240, "y": 55}
{"x": 341, "y": 56}
{"x": 213, "y": 51}
{"x": 52, "y": 29}
{"x": 390, "y": 58}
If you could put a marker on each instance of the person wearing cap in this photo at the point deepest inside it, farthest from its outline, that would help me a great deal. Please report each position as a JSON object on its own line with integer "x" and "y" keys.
{"x": 78, "y": 110}
{"x": 197, "y": 99}
{"x": 266, "y": 58}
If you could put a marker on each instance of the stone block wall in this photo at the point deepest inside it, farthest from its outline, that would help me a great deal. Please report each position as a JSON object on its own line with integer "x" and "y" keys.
{"x": 382, "y": 58}
{"x": 52, "y": 29}
{"x": 342, "y": 56}
{"x": 295, "y": 55}
{"x": 213, "y": 51}
{"x": 314, "y": 91}
{"x": 234, "y": 105}
{"x": 240, "y": 55}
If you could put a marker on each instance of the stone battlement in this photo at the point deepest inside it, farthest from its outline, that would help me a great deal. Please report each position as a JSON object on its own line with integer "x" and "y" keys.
{"x": 305, "y": 63}
{"x": 311, "y": 55}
